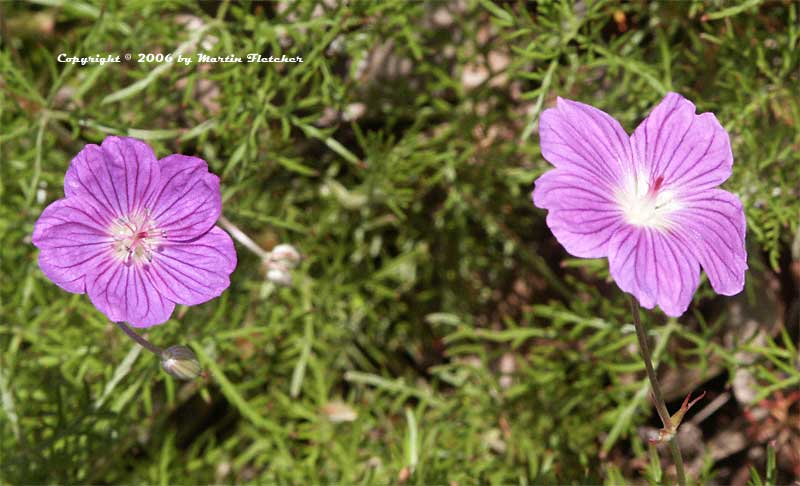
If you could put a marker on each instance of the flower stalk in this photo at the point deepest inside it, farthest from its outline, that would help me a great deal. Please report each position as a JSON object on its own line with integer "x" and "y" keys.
{"x": 179, "y": 361}
{"x": 242, "y": 238}
{"x": 658, "y": 398}
{"x": 140, "y": 339}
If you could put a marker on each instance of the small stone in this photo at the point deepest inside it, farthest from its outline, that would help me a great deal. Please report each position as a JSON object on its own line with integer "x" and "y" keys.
{"x": 337, "y": 412}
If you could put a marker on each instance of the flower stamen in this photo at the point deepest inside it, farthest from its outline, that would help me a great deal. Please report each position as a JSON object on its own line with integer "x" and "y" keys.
{"x": 136, "y": 237}
{"x": 647, "y": 203}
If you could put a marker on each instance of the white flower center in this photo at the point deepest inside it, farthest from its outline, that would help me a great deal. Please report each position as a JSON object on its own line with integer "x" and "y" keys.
{"x": 647, "y": 203}
{"x": 136, "y": 237}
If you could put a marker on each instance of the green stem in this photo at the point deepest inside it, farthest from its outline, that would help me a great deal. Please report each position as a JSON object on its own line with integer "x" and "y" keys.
{"x": 676, "y": 456}
{"x": 139, "y": 339}
{"x": 661, "y": 407}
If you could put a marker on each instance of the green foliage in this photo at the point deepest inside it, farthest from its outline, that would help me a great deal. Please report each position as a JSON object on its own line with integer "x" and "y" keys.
{"x": 432, "y": 299}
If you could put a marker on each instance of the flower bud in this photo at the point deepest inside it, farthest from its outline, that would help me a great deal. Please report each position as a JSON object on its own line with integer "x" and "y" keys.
{"x": 286, "y": 255}
{"x": 180, "y": 362}
{"x": 279, "y": 275}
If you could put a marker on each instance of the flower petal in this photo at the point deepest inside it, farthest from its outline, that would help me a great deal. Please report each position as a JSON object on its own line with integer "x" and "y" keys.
{"x": 656, "y": 267}
{"x": 190, "y": 201}
{"x": 197, "y": 271}
{"x": 72, "y": 240}
{"x": 713, "y": 222}
{"x": 582, "y": 216}
{"x": 120, "y": 175}
{"x": 585, "y": 141}
{"x": 692, "y": 152}
{"x": 128, "y": 294}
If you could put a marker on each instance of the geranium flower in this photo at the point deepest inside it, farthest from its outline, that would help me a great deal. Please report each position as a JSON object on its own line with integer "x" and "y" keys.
{"x": 648, "y": 202}
{"x": 135, "y": 233}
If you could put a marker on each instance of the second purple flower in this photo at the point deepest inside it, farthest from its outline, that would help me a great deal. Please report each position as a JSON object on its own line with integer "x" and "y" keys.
{"x": 648, "y": 202}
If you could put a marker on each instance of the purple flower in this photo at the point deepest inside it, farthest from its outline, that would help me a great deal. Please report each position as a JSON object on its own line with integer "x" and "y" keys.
{"x": 135, "y": 233}
{"x": 648, "y": 202}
